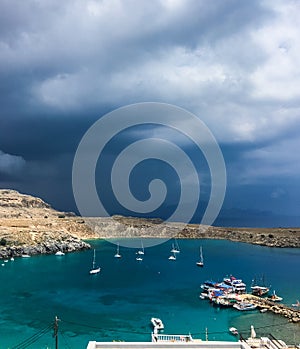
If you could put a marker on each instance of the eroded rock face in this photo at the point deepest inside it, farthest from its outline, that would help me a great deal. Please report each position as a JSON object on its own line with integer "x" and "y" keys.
{"x": 27, "y": 222}
{"x": 118, "y": 226}
{"x": 28, "y": 225}
{"x": 15, "y": 204}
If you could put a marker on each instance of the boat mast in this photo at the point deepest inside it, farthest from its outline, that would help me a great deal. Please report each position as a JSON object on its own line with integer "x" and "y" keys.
{"x": 94, "y": 259}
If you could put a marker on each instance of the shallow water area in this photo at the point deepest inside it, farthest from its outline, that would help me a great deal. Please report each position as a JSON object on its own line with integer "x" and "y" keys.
{"x": 118, "y": 303}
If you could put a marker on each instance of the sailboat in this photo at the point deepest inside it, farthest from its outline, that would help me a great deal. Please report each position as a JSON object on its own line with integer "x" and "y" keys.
{"x": 259, "y": 288}
{"x": 172, "y": 257}
{"x": 141, "y": 252}
{"x": 175, "y": 247}
{"x": 94, "y": 270}
{"x": 117, "y": 255}
{"x": 200, "y": 263}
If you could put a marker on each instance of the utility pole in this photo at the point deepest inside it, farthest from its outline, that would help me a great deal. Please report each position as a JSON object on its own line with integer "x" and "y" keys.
{"x": 55, "y": 335}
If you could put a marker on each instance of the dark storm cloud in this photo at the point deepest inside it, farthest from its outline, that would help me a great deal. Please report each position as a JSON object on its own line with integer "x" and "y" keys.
{"x": 232, "y": 63}
{"x": 10, "y": 164}
{"x": 68, "y": 54}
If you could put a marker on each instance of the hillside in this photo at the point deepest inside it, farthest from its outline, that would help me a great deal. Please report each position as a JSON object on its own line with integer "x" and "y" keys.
{"x": 28, "y": 225}
{"x": 119, "y": 226}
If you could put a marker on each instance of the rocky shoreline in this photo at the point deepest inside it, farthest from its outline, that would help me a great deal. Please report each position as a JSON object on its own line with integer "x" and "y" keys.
{"x": 30, "y": 226}
{"x": 131, "y": 227}
{"x": 292, "y": 314}
{"x": 46, "y": 248}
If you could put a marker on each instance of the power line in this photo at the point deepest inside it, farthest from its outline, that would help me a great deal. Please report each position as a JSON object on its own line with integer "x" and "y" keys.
{"x": 244, "y": 330}
{"x": 32, "y": 339}
{"x": 140, "y": 332}
{"x": 103, "y": 329}
{"x": 65, "y": 339}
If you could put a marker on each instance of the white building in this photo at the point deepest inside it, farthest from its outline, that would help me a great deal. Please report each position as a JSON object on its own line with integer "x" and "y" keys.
{"x": 165, "y": 341}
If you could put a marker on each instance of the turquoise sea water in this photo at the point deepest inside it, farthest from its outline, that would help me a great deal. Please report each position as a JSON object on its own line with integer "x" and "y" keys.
{"x": 117, "y": 304}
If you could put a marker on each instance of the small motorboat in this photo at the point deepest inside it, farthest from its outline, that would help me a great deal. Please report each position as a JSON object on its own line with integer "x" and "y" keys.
{"x": 233, "y": 331}
{"x": 263, "y": 310}
{"x": 157, "y": 323}
{"x": 59, "y": 253}
{"x": 274, "y": 298}
{"x": 203, "y": 295}
{"x": 296, "y": 304}
{"x": 243, "y": 306}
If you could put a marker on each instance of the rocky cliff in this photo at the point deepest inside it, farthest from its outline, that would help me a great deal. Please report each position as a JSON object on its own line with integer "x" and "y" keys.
{"x": 28, "y": 225}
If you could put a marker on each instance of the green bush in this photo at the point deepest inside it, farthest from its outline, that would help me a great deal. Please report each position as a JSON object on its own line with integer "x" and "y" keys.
{"x": 3, "y": 242}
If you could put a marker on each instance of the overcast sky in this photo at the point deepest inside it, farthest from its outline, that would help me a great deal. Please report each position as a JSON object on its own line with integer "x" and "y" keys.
{"x": 234, "y": 64}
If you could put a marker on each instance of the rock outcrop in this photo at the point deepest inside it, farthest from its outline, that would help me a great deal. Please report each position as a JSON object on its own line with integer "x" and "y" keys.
{"x": 292, "y": 314}
{"x": 119, "y": 226}
{"x": 28, "y": 225}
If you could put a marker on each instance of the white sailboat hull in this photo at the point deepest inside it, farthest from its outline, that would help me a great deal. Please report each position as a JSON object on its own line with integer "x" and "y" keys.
{"x": 95, "y": 271}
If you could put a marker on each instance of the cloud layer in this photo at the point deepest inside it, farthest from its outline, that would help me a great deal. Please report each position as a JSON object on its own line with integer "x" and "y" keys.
{"x": 11, "y": 164}
{"x": 234, "y": 64}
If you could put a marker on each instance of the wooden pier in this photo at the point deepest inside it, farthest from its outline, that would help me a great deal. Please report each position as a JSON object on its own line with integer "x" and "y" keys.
{"x": 292, "y": 314}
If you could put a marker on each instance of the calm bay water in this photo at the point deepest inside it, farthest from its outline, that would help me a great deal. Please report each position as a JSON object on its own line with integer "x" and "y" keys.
{"x": 117, "y": 304}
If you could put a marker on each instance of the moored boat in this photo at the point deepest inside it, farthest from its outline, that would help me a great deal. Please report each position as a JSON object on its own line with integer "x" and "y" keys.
{"x": 172, "y": 257}
{"x": 117, "y": 255}
{"x": 237, "y": 284}
{"x": 200, "y": 263}
{"x": 274, "y": 297}
{"x": 59, "y": 253}
{"x": 208, "y": 284}
{"x": 94, "y": 270}
{"x": 142, "y": 250}
{"x": 244, "y": 306}
{"x": 157, "y": 323}
{"x": 259, "y": 288}
{"x": 233, "y": 331}
{"x": 175, "y": 247}
{"x": 224, "y": 302}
